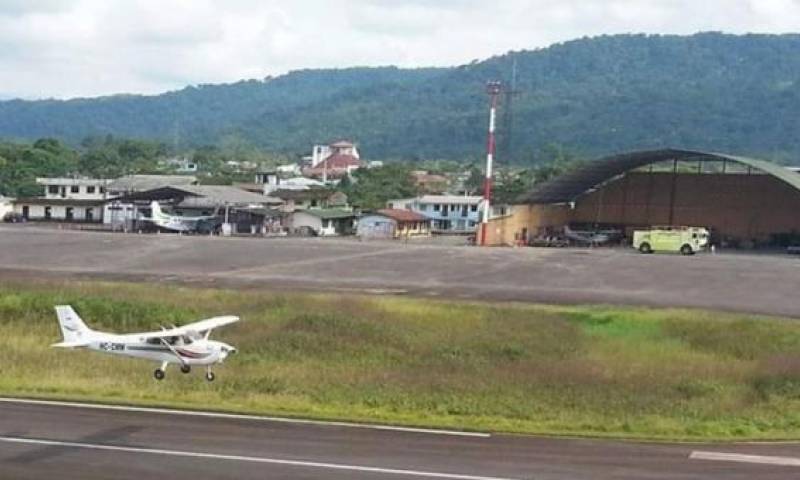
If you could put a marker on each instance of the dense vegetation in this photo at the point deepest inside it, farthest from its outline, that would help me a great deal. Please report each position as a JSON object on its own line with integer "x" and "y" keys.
{"x": 110, "y": 157}
{"x": 709, "y": 91}
{"x": 630, "y": 372}
{"x": 107, "y": 157}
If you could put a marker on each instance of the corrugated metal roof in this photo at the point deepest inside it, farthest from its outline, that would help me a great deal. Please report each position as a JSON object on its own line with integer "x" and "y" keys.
{"x": 402, "y": 215}
{"x": 139, "y": 183}
{"x": 329, "y": 213}
{"x": 567, "y": 188}
{"x": 227, "y": 194}
{"x": 451, "y": 199}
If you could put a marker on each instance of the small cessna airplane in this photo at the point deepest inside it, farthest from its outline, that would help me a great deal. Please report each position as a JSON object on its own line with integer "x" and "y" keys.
{"x": 188, "y": 345}
{"x": 178, "y": 223}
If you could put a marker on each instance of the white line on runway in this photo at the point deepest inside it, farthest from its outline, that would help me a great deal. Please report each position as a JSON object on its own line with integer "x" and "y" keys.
{"x": 240, "y": 458}
{"x": 234, "y": 416}
{"x": 737, "y": 457}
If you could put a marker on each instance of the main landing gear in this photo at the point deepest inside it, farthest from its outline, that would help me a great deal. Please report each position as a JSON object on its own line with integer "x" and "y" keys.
{"x": 160, "y": 372}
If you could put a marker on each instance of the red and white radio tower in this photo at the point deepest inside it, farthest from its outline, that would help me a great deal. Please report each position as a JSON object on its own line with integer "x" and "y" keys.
{"x": 494, "y": 89}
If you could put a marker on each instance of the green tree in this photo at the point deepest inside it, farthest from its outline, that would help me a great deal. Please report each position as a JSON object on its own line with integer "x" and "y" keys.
{"x": 370, "y": 188}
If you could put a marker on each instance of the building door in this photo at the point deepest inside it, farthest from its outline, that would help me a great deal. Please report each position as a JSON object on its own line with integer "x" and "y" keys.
{"x": 68, "y": 214}
{"x": 89, "y": 215}
{"x": 48, "y": 213}
{"x": 26, "y": 212}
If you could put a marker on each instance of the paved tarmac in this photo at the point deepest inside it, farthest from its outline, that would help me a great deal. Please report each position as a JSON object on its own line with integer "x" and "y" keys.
{"x": 70, "y": 442}
{"x": 767, "y": 284}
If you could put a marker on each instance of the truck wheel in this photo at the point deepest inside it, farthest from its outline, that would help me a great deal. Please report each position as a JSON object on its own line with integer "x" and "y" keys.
{"x": 645, "y": 248}
{"x": 687, "y": 250}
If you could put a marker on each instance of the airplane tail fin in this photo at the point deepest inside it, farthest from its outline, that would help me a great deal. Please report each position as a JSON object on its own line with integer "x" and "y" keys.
{"x": 75, "y": 332}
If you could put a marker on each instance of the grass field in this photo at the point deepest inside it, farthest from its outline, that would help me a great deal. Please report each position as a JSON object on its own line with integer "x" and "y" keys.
{"x": 600, "y": 371}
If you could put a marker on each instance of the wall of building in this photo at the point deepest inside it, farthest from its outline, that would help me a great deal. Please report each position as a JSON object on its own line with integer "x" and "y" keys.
{"x": 523, "y": 222}
{"x": 376, "y": 226}
{"x": 740, "y": 207}
{"x": 744, "y": 207}
{"x": 59, "y": 212}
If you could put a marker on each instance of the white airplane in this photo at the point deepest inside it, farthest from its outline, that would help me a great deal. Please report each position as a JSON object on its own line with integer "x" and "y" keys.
{"x": 178, "y": 223}
{"x": 188, "y": 345}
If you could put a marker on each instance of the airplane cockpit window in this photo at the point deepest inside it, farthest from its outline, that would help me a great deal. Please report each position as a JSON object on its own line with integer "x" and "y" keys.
{"x": 170, "y": 340}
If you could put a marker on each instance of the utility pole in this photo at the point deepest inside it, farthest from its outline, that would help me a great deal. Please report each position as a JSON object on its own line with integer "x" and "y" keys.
{"x": 506, "y": 140}
{"x": 494, "y": 89}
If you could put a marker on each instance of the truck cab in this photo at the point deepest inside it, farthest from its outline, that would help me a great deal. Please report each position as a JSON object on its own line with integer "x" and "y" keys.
{"x": 684, "y": 240}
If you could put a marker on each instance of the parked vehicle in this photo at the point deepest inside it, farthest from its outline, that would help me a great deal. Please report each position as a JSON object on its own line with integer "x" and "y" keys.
{"x": 13, "y": 217}
{"x": 686, "y": 240}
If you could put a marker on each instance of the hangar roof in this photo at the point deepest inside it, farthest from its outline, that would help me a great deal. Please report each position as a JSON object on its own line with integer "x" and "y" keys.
{"x": 566, "y": 188}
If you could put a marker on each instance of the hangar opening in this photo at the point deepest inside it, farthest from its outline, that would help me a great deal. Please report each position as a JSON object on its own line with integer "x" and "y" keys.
{"x": 745, "y": 202}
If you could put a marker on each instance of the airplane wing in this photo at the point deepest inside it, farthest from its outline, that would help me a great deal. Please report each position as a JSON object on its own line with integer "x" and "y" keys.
{"x": 70, "y": 344}
{"x": 196, "y": 327}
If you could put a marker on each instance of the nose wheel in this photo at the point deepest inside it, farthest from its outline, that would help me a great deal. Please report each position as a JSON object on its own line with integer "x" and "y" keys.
{"x": 186, "y": 368}
{"x": 210, "y": 375}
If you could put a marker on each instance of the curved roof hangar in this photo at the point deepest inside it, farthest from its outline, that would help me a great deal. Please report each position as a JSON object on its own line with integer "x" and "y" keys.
{"x": 568, "y": 187}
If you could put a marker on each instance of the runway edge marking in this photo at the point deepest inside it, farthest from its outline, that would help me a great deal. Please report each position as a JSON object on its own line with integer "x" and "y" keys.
{"x": 743, "y": 458}
{"x": 241, "y": 458}
{"x": 236, "y": 416}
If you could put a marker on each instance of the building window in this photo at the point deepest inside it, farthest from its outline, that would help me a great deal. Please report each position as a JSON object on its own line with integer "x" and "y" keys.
{"x": 464, "y": 211}
{"x": 437, "y": 207}
{"x": 75, "y": 189}
{"x": 52, "y": 189}
{"x": 473, "y": 208}
{"x": 90, "y": 189}
{"x": 102, "y": 189}
{"x": 48, "y": 213}
{"x": 89, "y": 214}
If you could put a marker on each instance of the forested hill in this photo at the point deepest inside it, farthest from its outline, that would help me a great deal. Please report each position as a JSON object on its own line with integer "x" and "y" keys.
{"x": 738, "y": 94}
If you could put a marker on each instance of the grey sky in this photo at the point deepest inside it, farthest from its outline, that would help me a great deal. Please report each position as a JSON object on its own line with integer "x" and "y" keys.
{"x": 67, "y": 48}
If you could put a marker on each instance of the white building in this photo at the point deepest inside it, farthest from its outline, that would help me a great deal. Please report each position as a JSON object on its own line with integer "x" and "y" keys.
{"x": 66, "y": 199}
{"x": 6, "y": 206}
{"x": 181, "y": 165}
{"x": 448, "y": 213}
{"x": 322, "y": 152}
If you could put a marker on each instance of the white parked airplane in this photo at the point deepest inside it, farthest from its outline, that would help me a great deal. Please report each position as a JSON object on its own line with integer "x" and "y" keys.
{"x": 179, "y": 223}
{"x": 188, "y": 345}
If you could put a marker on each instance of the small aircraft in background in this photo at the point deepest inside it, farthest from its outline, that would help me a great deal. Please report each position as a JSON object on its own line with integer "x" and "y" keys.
{"x": 179, "y": 223}
{"x": 187, "y": 346}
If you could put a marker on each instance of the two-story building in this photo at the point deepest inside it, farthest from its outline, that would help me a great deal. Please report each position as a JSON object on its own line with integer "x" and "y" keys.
{"x": 66, "y": 199}
{"x": 448, "y": 213}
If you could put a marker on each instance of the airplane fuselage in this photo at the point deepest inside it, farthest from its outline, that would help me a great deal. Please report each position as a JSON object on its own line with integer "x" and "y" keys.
{"x": 199, "y": 352}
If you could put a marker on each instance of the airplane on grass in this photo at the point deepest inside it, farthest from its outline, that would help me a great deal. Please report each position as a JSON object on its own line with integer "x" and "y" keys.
{"x": 187, "y": 346}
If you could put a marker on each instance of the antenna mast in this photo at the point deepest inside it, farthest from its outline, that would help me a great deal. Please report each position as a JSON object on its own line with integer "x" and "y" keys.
{"x": 494, "y": 89}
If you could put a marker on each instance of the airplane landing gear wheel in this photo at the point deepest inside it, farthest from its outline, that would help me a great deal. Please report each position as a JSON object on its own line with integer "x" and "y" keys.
{"x": 159, "y": 374}
{"x": 186, "y": 368}
{"x": 210, "y": 376}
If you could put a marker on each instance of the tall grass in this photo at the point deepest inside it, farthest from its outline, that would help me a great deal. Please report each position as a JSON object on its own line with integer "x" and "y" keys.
{"x": 605, "y": 371}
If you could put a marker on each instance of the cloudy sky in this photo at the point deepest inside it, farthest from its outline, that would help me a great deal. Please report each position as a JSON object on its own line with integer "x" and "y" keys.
{"x": 69, "y": 48}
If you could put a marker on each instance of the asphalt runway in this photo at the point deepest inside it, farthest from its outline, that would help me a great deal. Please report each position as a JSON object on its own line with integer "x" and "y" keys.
{"x": 765, "y": 284}
{"x": 73, "y": 442}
